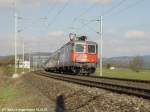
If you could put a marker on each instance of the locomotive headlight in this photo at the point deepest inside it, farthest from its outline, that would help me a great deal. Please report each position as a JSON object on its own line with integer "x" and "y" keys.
{"x": 82, "y": 57}
{"x": 85, "y": 56}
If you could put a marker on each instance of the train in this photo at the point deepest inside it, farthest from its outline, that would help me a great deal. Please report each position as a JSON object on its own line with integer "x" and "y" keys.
{"x": 78, "y": 56}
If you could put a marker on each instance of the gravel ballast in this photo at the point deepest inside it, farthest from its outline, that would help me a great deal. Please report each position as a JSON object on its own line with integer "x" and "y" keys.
{"x": 41, "y": 92}
{"x": 85, "y": 99}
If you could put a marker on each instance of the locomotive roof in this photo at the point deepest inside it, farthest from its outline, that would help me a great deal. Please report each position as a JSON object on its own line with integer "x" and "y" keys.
{"x": 88, "y": 42}
{"x": 76, "y": 41}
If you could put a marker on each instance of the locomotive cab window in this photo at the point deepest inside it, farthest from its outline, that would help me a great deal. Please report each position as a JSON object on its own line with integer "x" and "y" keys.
{"x": 91, "y": 49}
{"x": 79, "y": 48}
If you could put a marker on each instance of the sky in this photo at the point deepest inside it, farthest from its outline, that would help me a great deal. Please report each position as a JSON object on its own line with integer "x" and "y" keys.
{"x": 44, "y": 25}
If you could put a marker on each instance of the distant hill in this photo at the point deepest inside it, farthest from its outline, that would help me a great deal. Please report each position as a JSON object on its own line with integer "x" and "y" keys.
{"x": 146, "y": 61}
{"x": 6, "y": 60}
{"x": 40, "y": 53}
{"x": 27, "y": 55}
{"x": 123, "y": 61}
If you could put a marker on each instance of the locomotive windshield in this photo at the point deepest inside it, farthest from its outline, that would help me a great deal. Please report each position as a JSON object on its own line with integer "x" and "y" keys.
{"x": 79, "y": 48}
{"x": 91, "y": 49}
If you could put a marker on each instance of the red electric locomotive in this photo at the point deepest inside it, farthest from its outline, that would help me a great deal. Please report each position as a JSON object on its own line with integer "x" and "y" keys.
{"x": 78, "y": 56}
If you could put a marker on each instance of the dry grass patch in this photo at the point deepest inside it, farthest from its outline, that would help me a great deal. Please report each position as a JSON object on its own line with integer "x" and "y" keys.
{"x": 17, "y": 93}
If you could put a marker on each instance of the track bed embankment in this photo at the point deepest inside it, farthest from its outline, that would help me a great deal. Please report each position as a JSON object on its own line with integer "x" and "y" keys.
{"x": 34, "y": 91}
{"x": 86, "y": 99}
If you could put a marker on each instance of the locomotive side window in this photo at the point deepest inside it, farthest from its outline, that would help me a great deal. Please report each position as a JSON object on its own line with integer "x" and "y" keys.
{"x": 79, "y": 48}
{"x": 91, "y": 49}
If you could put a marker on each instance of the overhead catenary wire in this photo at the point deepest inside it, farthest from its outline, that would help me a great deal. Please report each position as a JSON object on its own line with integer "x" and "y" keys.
{"x": 52, "y": 8}
{"x": 93, "y": 5}
{"x": 104, "y": 13}
{"x": 113, "y": 7}
{"x": 58, "y": 13}
{"x": 126, "y": 8}
{"x": 84, "y": 12}
{"x": 87, "y": 25}
{"x": 27, "y": 22}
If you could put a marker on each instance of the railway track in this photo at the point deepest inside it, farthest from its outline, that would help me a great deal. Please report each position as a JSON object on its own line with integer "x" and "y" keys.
{"x": 127, "y": 86}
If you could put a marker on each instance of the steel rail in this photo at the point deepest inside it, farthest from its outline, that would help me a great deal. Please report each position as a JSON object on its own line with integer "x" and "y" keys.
{"x": 122, "y": 79}
{"x": 119, "y": 88}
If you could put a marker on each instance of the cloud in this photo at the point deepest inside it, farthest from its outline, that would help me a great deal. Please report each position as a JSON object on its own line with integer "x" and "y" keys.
{"x": 50, "y": 43}
{"x": 56, "y": 33}
{"x": 55, "y": 40}
{"x": 9, "y": 3}
{"x": 6, "y": 44}
{"x": 64, "y": 1}
{"x": 6, "y": 3}
{"x": 101, "y": 1}
{"x": 135, "y": 34}
{"x": 114, "y": 43}
{"x": 126, "y": 43}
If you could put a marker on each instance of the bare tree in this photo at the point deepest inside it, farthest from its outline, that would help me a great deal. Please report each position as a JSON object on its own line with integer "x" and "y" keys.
{"x": 7, "y": 61}
{"x": 136, "y": 64}
{"x": 108, "y": 66}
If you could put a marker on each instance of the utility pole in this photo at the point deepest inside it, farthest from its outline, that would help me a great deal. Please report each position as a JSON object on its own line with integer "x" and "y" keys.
{"x": 100, "y": 20}
{"x": 29, "y": 61}
{"x": 15, "y": 35}
{"x": 23, "y": 56}
{"x": 15, "y": 42}
{"x": 101, "y": 52}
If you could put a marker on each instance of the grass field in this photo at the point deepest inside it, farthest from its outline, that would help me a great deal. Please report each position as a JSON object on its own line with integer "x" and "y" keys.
{"x": 11, "y": 70}
{"x": 125, "y": 73}
{"x": 8, "y": 93}
{"x": 20, "y": 94}
{"x": 118, "y": 72}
